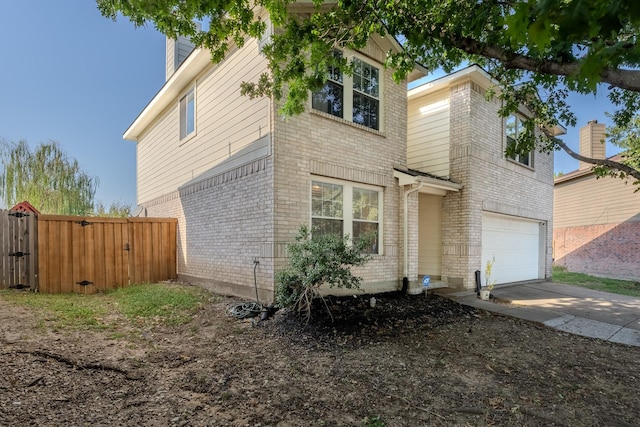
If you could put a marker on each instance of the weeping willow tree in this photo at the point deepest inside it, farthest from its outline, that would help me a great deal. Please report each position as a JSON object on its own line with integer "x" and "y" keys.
{"x": 46, "y": 177}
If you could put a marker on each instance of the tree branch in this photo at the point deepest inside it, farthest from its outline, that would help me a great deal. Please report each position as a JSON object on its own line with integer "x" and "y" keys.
{"x": 621, "y": 78}
{"x": 600, "y": 162}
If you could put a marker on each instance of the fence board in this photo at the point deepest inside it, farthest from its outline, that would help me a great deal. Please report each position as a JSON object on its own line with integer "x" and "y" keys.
{"x": 66, "y": 250}
{"x": 109, "y": 252}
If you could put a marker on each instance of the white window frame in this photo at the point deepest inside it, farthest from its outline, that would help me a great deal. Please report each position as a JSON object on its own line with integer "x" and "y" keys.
{"x": 189, "y": 97}
{"x": 363, "y": 91}
{"x": 518, "y": 158}
{"x": 348, "y": 91}
{"x": 347, "y": 206}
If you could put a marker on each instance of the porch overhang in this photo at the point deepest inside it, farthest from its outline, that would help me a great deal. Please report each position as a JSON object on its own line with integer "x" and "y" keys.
{"x": 428, "y": 184}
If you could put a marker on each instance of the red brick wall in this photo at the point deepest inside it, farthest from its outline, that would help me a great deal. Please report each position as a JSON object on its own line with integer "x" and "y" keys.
{"x": 608, "y": 250}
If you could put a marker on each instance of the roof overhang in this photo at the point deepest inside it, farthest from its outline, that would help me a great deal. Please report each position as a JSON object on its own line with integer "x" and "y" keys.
{"x": 555, "y": 130}
{"x": 429, "y": 185}
{"x": 473, "y": 72}
{"x": 480, "y": 76}
{"x": 184, "y": 75}
{"x": 390, "y": 43}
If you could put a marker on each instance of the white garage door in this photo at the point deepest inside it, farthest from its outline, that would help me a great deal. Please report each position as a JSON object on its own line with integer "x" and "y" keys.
{"x": 516, "y": 245}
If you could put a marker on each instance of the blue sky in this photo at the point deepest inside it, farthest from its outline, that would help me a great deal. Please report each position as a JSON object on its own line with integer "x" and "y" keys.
{"x": 68, "y": 74}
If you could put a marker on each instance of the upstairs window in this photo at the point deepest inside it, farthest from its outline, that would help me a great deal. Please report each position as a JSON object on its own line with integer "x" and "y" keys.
{"x": 342, "y": 208}
{"x": 355, "y": 98}
{"x": 514, "y": 126}
{"x": 330, "y": 99}
{"x": 366, "y": 104}
{"x": 187, "y": 114}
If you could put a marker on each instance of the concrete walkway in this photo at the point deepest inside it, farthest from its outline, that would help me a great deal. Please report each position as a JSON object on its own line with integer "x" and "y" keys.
{"x": 573, "y": 309}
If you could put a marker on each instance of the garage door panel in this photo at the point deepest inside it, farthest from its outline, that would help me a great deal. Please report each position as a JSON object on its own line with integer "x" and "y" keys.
{"x": 515, "y": 245}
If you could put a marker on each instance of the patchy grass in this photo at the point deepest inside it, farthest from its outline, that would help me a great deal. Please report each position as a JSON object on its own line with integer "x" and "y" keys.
{"x": 146, "y": 304}
{"x": 615, "y": 286}
{"x": 64, "y": 310}
{"x": 161, "y": 303}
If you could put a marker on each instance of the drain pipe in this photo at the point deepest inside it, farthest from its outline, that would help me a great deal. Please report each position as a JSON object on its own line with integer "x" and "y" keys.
{"x": 405, "y": 273}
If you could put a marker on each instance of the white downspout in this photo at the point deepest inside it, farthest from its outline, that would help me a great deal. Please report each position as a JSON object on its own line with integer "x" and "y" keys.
{"x": 405, "y": 273}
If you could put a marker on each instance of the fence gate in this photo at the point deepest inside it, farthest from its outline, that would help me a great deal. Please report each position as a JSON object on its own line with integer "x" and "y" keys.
{"x": 18, "y": 251}
{"x": 91, "y": 254}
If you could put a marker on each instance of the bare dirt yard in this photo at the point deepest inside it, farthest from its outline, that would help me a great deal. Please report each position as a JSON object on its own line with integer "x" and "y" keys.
{"x": 410, "y": 361}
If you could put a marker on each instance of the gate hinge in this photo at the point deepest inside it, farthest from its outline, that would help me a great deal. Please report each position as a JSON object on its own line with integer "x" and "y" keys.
{"x": 84, "y": 283}
{"x": 83, "y": 223}
{"x": 19, "y": 286}
{"x": 19, "y": 254}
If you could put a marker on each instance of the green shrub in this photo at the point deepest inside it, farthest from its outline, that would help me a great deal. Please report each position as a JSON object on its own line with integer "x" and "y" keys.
{"x": 316, "y": 260}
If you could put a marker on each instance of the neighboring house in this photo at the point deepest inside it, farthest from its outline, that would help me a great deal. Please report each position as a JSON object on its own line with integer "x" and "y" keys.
{"x": 504, "y": 209}
{"x": 596, "y": 228}
{"x": 241, "y": 179}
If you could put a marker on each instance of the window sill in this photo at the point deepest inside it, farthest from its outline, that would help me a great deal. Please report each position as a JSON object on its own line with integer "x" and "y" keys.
{"x": 515, "y": 162}
{"x": 187, "y": 139}
{"x": 347, "y": 122}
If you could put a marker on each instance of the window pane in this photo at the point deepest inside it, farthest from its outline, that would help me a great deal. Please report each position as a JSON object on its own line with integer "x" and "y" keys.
{"x": 183, "y": 118}
{"x": 329, "y": 99}
{"x": 365, "y": 204}
{"x": 191, "y": 105}
{"x": 326, "y": 200}
{"x": 365, "y": 78}
{"x": 511, "y": 127}
{"x": 187, "y": 114}
{"x": 334, "y": 72}
{"x": 514, "y": 128}
{"x": 323, "y": 226}
{"x": 365, "y": 110}
{"x": 366, "y": 229}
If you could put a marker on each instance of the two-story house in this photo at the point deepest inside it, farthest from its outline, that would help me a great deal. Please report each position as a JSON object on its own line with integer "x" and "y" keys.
{"x": 241, "y": 179}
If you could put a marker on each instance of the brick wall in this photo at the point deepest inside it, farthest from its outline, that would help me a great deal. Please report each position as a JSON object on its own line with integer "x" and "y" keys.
{"x": 252, "y": 212}
{"x": 491, "y": 183}
{"x": 318, "y": 145}
{"x": 607, "y": 250}
{"x": 224, "y": 224}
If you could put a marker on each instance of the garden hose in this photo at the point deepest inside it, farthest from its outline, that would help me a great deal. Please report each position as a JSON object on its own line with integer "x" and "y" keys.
{"x": 247, "y": 309}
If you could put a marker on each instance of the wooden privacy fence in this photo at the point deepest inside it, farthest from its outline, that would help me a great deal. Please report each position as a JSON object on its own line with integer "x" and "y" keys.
{"x": 87, "y": 254}
{"x": 18, "y": 263}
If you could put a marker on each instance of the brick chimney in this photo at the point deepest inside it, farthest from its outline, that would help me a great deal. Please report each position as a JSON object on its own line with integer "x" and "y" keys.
{"x": 177, "y": 51}
{"x": 592, "y": 142}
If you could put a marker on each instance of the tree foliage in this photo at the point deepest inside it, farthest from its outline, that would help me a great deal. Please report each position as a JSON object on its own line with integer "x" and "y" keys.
{"x": 46, "y": 177}
{"x": 117, "y": 209}
{"x": 316, "y": 260}
{"x": 537, "y": 50}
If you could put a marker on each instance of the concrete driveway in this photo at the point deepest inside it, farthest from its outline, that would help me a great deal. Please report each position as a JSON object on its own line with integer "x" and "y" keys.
{"x": 567, "y": 308}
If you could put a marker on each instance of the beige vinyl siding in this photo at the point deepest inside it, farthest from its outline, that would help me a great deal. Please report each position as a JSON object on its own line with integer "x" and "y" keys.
{"x": 227, "y": 124}
{"x": 587, "y": 201}
{"x": 428, "y": 134}
{"x": 430, "y": 235}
